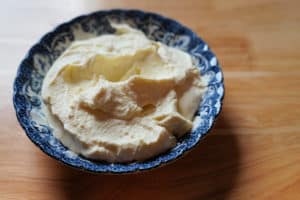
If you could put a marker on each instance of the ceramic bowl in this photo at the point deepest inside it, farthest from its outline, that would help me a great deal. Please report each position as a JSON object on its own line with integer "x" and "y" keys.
{"x": 31, "y": 72}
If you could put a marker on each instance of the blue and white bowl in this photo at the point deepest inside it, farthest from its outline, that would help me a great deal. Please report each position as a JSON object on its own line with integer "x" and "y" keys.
{"x": 32, "y": 70}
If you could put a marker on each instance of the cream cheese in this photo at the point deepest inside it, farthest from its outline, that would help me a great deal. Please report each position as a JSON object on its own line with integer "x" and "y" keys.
{"x": 121, "y": 97}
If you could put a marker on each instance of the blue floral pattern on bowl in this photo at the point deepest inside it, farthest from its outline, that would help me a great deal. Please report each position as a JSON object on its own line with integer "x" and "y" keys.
{"x": 32, "y": 70}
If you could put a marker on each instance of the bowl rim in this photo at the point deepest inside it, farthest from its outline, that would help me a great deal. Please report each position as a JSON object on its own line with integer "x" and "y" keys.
{"x": 49, "y": 152}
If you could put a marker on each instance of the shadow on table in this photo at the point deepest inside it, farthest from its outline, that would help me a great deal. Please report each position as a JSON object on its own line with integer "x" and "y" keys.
{"x": 207, "y": 172}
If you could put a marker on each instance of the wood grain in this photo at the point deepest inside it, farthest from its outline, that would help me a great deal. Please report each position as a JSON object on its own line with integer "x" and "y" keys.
{"x": 252, "y": 152}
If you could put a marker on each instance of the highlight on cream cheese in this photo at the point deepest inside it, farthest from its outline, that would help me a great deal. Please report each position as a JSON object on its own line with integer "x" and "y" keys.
{"x": 121, "y": 97}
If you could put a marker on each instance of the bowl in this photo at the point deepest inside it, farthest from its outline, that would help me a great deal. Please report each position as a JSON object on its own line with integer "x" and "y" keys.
{"x": 32, "y": 70}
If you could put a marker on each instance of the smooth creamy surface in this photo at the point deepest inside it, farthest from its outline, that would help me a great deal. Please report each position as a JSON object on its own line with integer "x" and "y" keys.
{"x": 121, "y": 97}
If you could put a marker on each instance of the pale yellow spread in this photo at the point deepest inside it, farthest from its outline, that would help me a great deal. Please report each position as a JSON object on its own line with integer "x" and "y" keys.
{"x": 121, "y": 97}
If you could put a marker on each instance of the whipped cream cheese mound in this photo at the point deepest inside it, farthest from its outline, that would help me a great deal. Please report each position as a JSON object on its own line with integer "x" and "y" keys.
{"x": 121, "y": 97}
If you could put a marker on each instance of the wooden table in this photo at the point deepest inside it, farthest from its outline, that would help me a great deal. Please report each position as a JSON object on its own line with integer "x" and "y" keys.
{"x": 253, "y": 152}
